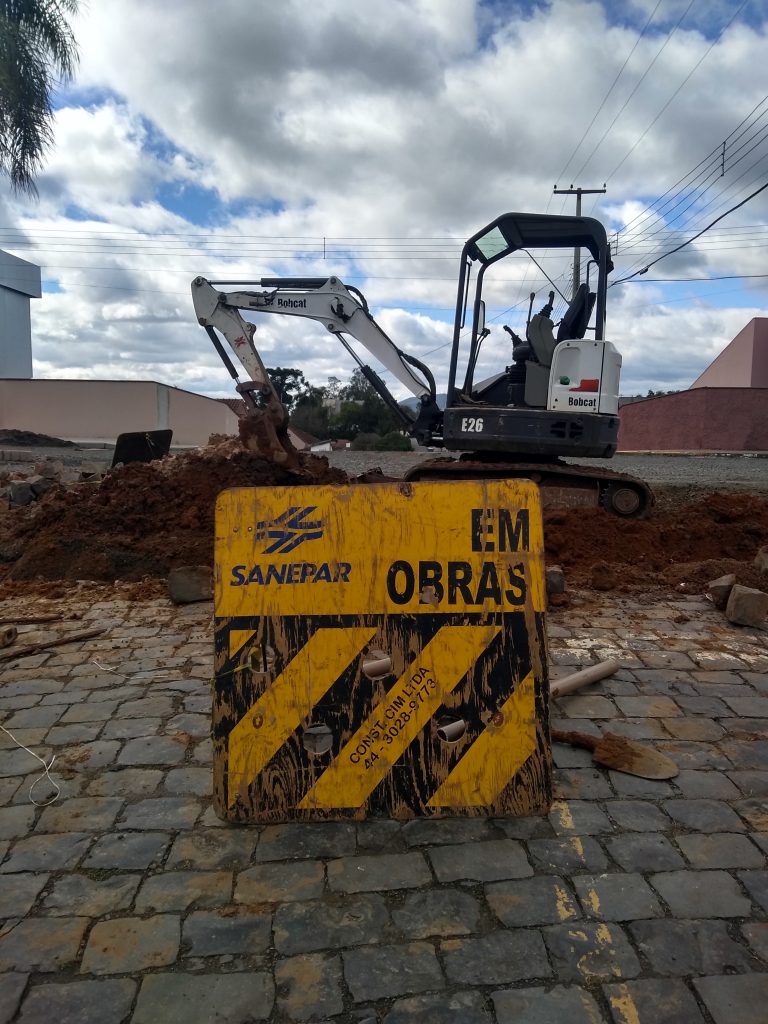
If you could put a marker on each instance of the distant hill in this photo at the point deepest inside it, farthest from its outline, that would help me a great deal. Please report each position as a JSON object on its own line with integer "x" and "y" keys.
{"x": 412, "y": 404}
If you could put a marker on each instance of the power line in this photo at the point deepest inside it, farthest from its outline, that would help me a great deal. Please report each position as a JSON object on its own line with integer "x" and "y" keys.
{"x": 693, "y": 239}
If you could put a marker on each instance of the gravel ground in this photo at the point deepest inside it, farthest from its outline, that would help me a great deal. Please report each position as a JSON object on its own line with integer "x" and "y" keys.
{"x": 732, "y": 472}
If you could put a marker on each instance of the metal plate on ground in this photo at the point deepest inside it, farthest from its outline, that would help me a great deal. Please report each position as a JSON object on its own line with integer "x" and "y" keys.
{"x": 380, "y": 651}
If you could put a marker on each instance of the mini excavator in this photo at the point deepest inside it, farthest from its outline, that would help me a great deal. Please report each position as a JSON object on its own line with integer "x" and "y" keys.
{"x": 557, "y": 398}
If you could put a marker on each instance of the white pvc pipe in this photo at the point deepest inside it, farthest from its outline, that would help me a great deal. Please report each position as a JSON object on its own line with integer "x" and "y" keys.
{"x": 576, "y": 680}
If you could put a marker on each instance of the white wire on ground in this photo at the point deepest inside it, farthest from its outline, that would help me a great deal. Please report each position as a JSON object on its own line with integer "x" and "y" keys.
{"x": 45, "y": 775}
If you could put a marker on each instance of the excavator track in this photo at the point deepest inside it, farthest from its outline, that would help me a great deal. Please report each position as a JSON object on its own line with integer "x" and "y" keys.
{"x": 561, "y": 485}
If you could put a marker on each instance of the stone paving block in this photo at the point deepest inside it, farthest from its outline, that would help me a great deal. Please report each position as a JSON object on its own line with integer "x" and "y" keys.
{"x": 159, "y": 706}
{"x": 11, "y": 989}
{"x": 169, "y": 812}
{"x": 488, "y": 861}
{"x": 124, "y": 945}
{"x": 276, "y": 883}
{"x": 379, "y": 835}
{"x": 178, "y": 890}
{"x": 445, "y": 1008}
{"x": 83, "y": 814}
{"x": 699, "y": 894}
{"x": 233, "y": 998}
{"x": 697, "y": 729}
{"x": 570, "y": 854}
{"x": 543, "y": 899}
{"x": 567, "y": 1003}
{"x": 580, "y": 784}
{"x": 440, "y": 912}
{"x": 127, "y": 782}
{"x": 53, "y": 852}
{"x": 89, "y": 712}
{"x": 89, "y": 756}
{"x": 212, "y": 848}
{"x": 754, "y": 811}
{"x": 350, "y": 921}
{"x": 756, "y": 883}
{"x": 378, "y": 972}
{"x": 638, "y": 816}
{"x": 152, "y": 750}
{"x": 591, "y": 706}
{"x": 91, "y": 897}
{"x": 744, "y": 707}
{"x": 497, "y": 958}
{"x": 704, "y": 815}
{"x": 68, "y": 735}
{"x": 752, "y": 753}
{"x": 41, "y": 943}
{"x": 79, "y": 1002}
{"x": 761, "y": 838}
{"x": 203, "y": 752}
{"x": 378, "y": 873}
{"x": 710, "y": 707}
{"x": 18, "y": 896}
{"x": 131, "y": 728}
{"x": 16, "y": 761}
{"x": 721, "y": 850}
{"x": 128, "y": 851}
{"x": 8, "y": 788}
{"x": 35, "y": 718}
{"x": 231, "y": 930}
{"x": 652, "y": 1001}
{"x": 434, "y": 831}
{"x": 666, "y": 659}
{"x": 683, "y": 948}
{"x": 616, "y": 897}
{"x": 641, "y": 728}
{"x": 756, "y": 934}
{"x": 537, "y": 827}
{"x": 583, "y": 952}
{"x": 191, "y": 724}
{"x": 639, "y": 852}
{"x": 730, "y": 998}
{"x": 309, "y": 986}
{"x": 706, "y": 785}
{"x": 693, "y": 754}
{"x": 314, "y": 840}
{"x": 578, "y": 817}
{"x": 189, "y": 780}
{"x": 16, "y": 821}
{"x": 750, "y": 783}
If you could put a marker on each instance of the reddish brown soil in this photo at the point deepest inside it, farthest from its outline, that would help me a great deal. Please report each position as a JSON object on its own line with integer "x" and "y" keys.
{"x": 142, "y": 520}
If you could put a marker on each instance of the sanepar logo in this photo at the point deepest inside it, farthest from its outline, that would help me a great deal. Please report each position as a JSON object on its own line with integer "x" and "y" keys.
{"x": 290, "y": 529}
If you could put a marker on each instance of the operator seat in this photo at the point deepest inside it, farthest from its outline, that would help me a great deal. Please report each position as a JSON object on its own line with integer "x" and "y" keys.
{"x": 576, "y": 320}
{"x": 543, "y": 343}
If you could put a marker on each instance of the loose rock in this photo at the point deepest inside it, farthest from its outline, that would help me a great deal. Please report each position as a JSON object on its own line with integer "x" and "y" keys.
{"x": 747, "y": 607}
{"x": 720, "y": 590}
{"x": 603, "y": 576}
{"x": 555, "y": 578}
{"x": 190, "y": 583}
{"x": 761, "y": 559}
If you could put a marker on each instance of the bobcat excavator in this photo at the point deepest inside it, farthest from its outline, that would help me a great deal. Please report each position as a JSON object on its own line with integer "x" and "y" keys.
{"x": 557, "y": 397}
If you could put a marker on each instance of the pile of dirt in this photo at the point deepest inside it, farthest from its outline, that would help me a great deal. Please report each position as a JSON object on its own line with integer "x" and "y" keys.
{"x": 29, "y": 439}
{"x": 686, "y": 544}
{"x": 144, "y": 519}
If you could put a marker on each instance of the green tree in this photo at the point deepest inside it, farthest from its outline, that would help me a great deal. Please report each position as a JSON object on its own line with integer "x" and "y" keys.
{"x": 37, "y": 52}
{"x": 289, "y": 383}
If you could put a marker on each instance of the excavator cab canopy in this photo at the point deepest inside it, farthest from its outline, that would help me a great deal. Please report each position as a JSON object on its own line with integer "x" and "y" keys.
{"x": 515, "y": 232}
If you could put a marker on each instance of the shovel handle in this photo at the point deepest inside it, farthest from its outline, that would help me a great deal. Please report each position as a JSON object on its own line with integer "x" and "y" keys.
{"x": 576, "y": 739}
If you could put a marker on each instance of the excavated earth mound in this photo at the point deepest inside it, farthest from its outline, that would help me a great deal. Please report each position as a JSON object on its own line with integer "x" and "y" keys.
{"x": 144, "y": 519}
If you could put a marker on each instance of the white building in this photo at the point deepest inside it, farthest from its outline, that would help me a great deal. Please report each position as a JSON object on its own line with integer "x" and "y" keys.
{"x": 19, "y": 282}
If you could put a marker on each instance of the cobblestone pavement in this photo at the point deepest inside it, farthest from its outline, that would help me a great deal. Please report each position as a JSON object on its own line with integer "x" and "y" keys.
{"x": 631, "y": 902}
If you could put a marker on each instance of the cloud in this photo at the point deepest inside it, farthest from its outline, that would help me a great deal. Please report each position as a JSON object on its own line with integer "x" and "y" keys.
{"x": 241, "y": 141}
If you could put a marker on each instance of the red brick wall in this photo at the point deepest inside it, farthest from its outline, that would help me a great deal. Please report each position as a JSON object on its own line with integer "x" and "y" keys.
{"x": 710, "y": 419}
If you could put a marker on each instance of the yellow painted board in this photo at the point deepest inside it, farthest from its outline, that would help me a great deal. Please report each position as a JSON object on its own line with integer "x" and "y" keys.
{"x": 442, "y": 586}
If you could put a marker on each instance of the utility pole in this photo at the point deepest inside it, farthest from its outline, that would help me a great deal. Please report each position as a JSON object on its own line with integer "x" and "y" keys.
{"x": 578, "y": 192}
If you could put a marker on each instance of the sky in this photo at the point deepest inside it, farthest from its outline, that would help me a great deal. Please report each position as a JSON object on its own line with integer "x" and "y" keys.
{"x": 366, "y": 140}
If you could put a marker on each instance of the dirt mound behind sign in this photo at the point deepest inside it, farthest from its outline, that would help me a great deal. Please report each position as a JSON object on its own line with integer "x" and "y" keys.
{"x": 142, "y": 520}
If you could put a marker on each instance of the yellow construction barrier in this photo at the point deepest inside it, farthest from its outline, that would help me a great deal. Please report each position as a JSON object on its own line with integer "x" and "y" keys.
{"x": 380, "y": 651}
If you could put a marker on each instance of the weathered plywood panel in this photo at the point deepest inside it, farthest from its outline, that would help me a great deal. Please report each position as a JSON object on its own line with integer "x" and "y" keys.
{"x": 380, "y": 652}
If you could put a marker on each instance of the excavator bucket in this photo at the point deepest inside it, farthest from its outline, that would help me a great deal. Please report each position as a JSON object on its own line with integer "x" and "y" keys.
{"x": 265, "y": 432}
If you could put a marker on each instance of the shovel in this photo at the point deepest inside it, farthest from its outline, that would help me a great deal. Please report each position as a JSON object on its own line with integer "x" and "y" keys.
{"x": 621, "y": 754}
